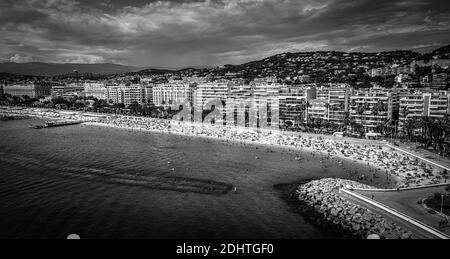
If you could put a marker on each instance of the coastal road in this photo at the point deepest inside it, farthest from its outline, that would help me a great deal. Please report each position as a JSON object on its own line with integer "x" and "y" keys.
{"x": 404, "y": 203}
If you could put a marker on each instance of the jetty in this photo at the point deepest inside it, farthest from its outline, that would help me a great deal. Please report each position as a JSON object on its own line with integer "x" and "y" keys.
{"x": 53, "y": 124}
{"x": 11, "y": 117}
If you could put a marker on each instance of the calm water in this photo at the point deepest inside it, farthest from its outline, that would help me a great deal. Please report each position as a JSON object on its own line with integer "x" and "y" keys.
{"x": 55, "y": 182}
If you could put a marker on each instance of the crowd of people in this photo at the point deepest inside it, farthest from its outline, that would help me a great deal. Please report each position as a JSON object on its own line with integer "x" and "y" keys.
{"x": 407, "y": 171}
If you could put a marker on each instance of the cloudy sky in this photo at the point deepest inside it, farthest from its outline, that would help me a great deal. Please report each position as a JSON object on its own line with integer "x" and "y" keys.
{"x": 171, "y": 33}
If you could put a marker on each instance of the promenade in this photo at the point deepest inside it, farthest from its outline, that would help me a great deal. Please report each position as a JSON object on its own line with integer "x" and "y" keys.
{"x": 407, "y": 201}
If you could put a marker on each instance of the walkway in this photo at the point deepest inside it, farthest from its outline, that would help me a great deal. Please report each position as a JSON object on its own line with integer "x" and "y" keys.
{"x": 406, "y": 201}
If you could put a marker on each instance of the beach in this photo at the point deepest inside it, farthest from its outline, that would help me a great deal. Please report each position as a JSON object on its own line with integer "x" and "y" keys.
{"x": 65, "y": 180}
{"x": 291, "y": 157}
{"x": 405, "y": 171}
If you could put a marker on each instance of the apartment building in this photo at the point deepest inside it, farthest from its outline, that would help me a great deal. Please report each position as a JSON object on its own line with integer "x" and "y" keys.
{"x": 414, "y": 104}
{"x": 318, "y": 109}
{"x": 337, "y": 97}
{"x": 239, "y": 105}
{"x": 373, "y": 107}
{"x": 294, "y": 102}
{"x": 129, "y": 94}
{"x": 266, "y": 102}
{"x": 211, "y": 92}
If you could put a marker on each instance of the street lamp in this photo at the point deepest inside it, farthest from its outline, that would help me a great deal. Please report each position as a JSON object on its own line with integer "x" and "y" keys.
{"x": 442, "y": 203}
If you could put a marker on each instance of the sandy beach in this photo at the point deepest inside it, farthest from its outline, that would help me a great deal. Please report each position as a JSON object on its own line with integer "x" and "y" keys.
{"x": 405, "y": 170}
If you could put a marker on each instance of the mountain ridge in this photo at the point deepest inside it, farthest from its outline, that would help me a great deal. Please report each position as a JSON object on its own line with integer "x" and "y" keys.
{"x": 274, "y": 61}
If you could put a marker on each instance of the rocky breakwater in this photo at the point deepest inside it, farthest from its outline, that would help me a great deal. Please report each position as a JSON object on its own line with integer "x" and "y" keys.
{"x": 322, "y": 197}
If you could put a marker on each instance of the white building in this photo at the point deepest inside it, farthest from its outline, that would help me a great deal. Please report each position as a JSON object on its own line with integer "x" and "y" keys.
{"x": 414, "y": 104}
{"x": 373, "y": 107}
{"x": 129, "y": 94}
{"x": 171, "y": 94}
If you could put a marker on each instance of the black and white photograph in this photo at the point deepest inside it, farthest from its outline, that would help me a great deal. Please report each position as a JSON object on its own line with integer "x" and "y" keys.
{"x": 239, "y": 122}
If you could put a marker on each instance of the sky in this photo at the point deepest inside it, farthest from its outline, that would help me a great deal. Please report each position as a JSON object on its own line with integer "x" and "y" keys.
{"x": 177, "y": 34}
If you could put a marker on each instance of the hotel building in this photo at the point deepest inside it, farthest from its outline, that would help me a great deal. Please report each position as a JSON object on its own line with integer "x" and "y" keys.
{"x": 31, "y": 90}
{"x": 171, "y": 94}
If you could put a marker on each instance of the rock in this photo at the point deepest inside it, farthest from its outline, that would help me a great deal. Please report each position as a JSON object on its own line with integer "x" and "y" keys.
{"x": 407, "y": 235}
{"x": 321, "y": 196}
{"x": 334, "y": 212}
{"x": 357, "y": 218}
{"x": 373, "y": 236}
{"x": 356, "y": 227}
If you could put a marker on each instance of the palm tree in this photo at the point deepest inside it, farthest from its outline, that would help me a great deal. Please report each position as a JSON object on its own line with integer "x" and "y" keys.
{"x": 408, "y": 128}
{"x": 347, "y": 119}
{"x": 307, "y": 106}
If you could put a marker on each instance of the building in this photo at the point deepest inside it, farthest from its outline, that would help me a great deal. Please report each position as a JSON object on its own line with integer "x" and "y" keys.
{"x": 394, "y": 70}
{"x": 294, "y": 102}
{"x": 374, "y": 107}
{"x": 443, "y": 63}
{"x": 129, "y": 94}
{"x": 318, "y": 109}
{"x": 416, "y": 104}
{"x": 67, "y": 91}
{"x": 95, "y": 90}
{"x": 211, "y": 92}
{"x": 440, "y": 79}
{"x": 30, "y": 90}
{"x": 266, "y": 104}
{"x": 337, "y": 97}
{"x": 171, "y": 94}
{"x": 239, "y": 105}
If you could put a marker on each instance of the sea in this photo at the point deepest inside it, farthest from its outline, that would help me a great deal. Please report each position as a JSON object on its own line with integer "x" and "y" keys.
{"x": 88, "y": 180}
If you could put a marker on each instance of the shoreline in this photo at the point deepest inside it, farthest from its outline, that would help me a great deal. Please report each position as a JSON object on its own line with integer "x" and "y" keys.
{"x": 371, "y": 155}
{"x": 402, "y": 168}
{"x": 329, "y": 209}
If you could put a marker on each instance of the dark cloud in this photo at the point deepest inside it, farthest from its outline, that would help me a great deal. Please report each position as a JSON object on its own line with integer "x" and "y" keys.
{"x": 182, "y": 33}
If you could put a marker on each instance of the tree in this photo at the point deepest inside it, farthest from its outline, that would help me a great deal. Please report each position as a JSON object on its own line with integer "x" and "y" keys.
{"x": 79, "y": 105}
{"x": 119, "y": 106}
{"x": 347, "y": 119}
{"x": 135, "y": 108}
{"x": 100, "y": 104}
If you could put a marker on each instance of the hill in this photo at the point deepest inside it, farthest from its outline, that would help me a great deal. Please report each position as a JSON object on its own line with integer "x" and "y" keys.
{"x": 52, "y": 69}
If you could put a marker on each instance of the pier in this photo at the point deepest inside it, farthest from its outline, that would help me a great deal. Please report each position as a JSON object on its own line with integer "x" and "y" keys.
{"x": 53, "y": 124}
